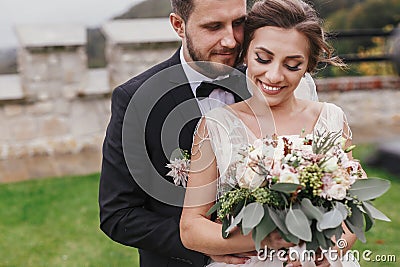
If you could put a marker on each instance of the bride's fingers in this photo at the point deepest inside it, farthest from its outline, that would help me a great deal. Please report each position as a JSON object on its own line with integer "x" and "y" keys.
{"x": 229, "y": 259}
{"x": 247, "y": 254}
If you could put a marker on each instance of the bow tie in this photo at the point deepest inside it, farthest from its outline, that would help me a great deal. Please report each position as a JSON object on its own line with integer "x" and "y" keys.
{"x": 228, "y": 84}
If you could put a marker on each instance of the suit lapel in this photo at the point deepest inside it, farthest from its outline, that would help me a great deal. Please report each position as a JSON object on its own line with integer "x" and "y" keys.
{"x": 182, "y": 98}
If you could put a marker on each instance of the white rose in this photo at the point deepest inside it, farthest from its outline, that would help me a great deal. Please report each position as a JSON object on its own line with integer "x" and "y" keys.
{"x": 248, "y": 178}
{"x": 287, "y": 176}
{"x": 337, "y": 191}
{"x": 256, "y": 153}
{"x": 331, "y": 164}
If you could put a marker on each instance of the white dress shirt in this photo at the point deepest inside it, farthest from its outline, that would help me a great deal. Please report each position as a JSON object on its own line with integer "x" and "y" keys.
{"x": 217, "y": 98}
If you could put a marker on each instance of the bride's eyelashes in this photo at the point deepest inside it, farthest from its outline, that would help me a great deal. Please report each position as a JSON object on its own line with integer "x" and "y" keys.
{"x": 261, "y": 60}
{"x": 295, "y": 68}
{"x": 266, "y": 61}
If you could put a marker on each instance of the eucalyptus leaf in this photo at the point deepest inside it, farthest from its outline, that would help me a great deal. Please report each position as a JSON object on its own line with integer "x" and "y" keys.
{"x": 339, "y": 231}
{"x": 285, "y": 187}
{"x": 252, "y": 215}
{"x": 235, "y": 221}
{"x": 225, "y": 225}
{"x": 214, "y": 208}
{"x": 342, "y": 208}
{"x": 359, "y": 232}
{"x": 298, "y": 224}
{"x": 310, "y": 210}
{"x": 330, "y": 219}
{"x": 369, "y": 221}
{"x": 356, "y": 218}
{"x": 265, "y": 227}
{"x": 291, "y": 238}
{"x": 374, "y": 212}
{"x": 366, "y": 189}
{"x": 321, "y": 240}
{"x": 313, "y": 245}
{"x": 177, "y": 154}
{"x": 278, "y": 217}
{"x": 256, "y": 239}
{"x": 239, "y": 207}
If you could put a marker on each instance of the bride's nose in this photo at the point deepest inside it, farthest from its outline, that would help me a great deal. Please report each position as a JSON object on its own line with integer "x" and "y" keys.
{"x": 274, "y": 74}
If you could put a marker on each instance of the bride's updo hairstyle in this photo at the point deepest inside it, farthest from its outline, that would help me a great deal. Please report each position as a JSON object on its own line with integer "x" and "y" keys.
{"x": 291, "y": 14}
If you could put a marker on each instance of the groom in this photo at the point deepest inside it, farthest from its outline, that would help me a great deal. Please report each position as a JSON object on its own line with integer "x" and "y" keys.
{"x": 154, "y": 113}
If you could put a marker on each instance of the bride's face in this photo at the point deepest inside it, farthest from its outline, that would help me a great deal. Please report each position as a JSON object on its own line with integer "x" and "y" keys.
{"x": 276, "y": 60}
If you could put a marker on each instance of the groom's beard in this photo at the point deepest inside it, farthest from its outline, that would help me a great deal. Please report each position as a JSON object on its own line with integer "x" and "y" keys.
{"x": 209, "y": 69}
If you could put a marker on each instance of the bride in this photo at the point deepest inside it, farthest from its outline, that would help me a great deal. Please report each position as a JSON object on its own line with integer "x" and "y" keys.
{"x": 283, "y": 41}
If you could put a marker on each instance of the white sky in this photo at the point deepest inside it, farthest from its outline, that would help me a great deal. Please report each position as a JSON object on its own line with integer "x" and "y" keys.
{"x": 85, "y": 12}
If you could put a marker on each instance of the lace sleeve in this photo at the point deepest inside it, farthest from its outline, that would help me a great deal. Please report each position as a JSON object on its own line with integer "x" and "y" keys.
{"x": 220, "y": 134}
{"x": 201, "y": 136}
{"x": 333, "y": 119}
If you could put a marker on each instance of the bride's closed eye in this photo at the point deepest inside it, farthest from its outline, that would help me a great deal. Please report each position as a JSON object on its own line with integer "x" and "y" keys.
{"x": 293, "y": 68}
{"x": 261, "y": 60}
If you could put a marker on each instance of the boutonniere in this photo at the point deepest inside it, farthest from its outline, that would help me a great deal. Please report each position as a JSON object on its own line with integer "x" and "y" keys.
{"x": 179, "y": 165}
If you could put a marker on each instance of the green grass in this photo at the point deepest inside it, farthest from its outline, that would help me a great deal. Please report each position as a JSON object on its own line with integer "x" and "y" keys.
{"x": 383, "y": 238}
{"x": 54, "y": 222}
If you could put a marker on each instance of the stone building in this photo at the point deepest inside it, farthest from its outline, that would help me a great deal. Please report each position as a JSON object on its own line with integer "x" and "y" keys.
{"x": 133, "y": 46}
{"x": 52, "y": 60}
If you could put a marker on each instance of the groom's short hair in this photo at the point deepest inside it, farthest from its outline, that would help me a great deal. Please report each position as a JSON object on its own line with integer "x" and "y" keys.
{"x": 183, "y": 8}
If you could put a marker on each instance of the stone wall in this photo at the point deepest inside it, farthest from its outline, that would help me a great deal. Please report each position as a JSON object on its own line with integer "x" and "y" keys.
{"x": 63, "y": 135}
{"x": 125, "y": 61}
{"x": 47, "y": 72}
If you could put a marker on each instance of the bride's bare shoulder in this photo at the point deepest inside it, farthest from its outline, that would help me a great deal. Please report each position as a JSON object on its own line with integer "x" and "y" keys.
{"x": 312, "y": 107}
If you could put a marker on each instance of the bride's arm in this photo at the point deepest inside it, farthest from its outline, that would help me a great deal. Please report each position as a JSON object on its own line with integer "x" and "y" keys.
{"x": 197, "y": 231}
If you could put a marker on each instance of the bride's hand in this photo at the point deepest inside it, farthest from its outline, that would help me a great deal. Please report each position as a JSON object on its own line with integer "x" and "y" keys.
{"x": 230, "y": 259}
{"x": 247, "y": 254}
{"x": 275, "y": 241}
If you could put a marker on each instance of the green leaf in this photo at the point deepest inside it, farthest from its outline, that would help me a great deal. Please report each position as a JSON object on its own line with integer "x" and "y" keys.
{"x": 375, "y": 213}
{"x": 321, "y": 240}
{"x": 235, "y": 221}
{"x": 225, "y": 225}
{"x": 356, "y": 222}
{"x": 337, "y": 232}
{"x": 310, "y": 210}
{"x": 366, "y": 189}
{"x": 342, "y": 208}
{"x": 265, "y": 227}
{"x": 279, "y": 219}
{"x": 356, "y": 230}
{"x": 252, "y": 215}
{"x": 214, "y": 208}
{"x": 313, "y": 245}
{"x": 285, "y": 187}
{"x": 298, "y": 224}
{"x": 178, "y": 154}
{"x": 291, "y": 238}
{"x": 369, "y": 221}
{"x": 330, "y": 219}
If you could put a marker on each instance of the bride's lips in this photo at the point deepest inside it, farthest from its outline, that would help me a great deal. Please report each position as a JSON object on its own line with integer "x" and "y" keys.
{"x": 270, "y": 89}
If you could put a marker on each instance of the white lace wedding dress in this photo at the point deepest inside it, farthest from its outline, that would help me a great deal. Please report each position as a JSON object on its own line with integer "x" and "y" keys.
{"x": 228, "y": 133}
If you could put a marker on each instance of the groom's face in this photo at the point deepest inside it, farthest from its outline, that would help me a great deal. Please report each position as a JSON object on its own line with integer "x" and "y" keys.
{"x": 214, "y": 31}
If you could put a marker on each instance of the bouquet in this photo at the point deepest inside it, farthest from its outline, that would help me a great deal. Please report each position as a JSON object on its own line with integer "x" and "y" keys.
{"x": 305, "y": 188}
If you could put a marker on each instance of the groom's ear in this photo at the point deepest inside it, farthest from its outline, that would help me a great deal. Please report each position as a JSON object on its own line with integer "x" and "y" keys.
{"x": 178, "y": 24}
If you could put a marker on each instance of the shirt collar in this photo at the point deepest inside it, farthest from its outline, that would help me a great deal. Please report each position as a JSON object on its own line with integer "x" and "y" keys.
{"x": 194, "y": 77}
